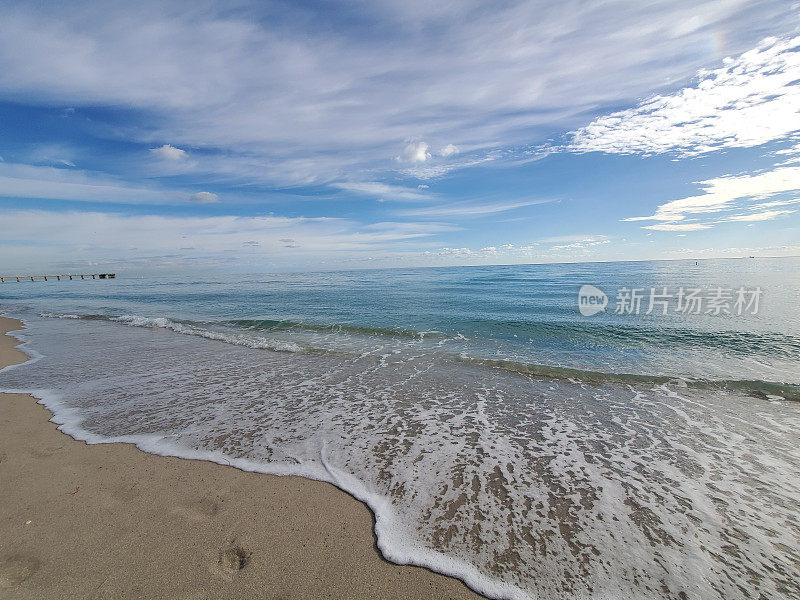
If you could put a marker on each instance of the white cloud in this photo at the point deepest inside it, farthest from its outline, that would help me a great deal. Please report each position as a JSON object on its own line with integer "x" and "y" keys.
{"x": 30, "y": 181}
{"x": 96, "y": 235}
{"x": 469, "y": 209}
{"x": 404, "y": 230}
{"x": 793, "y": 153}
{"x": 448, "y": 151}
{"x": 751, "y": 100}
{"x": 677, "y": 226}
{"x": 167, "y": 152}
{"x": 581, "y": 247}
{"x": 502, "y": 253}
{"x": 204, "y": 198}
{"x": 337, "y": 104}
{"x": 579, "y": 242}
{"x": 382, "y": 190}
{"x": 432, "y": 171}
{"x": 774, "y": 203}
{"x": 579, "y": 238}
{"x": 415, "y": 152}
{"x": 50, "y": 154}
{"x": 446, "y": 251}
{"x": 766, "y": 215}
{"x": 723, "y": 193}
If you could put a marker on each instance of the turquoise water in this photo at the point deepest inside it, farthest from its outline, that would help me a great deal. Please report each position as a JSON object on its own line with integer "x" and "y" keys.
{"x": 498, "y": 434}
{"x": 524, "y": 313}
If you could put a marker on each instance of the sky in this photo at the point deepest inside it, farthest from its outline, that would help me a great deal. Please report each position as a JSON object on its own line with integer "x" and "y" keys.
{"x": 240, "y": 136}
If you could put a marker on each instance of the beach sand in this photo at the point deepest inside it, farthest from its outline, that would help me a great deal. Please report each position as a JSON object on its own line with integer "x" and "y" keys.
{"x": 109, "y": 521}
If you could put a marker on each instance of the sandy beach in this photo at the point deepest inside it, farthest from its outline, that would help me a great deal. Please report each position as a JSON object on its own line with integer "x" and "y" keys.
{"x": 109, "y": 521}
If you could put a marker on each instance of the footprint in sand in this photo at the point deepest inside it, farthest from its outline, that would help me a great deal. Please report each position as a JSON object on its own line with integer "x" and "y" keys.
{"x": 15, "y": 569}
{"x": 233, "y": 558}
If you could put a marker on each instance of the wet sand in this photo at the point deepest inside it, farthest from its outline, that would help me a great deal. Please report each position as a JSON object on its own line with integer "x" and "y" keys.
{"x": 109, "y": 521}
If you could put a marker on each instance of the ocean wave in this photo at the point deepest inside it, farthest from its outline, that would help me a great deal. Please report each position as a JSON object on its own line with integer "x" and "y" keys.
{"x": 189, "y": 328}
{"x": 289, "y": 324}
{"x": 233, "y": 334}
{"x": 763, "y": 389}
{"x": 260, "y": 325}
{"x": 581, "y": 333}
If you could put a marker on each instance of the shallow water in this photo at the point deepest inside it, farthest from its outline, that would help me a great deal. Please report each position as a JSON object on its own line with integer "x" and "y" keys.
{"x": 497, "y": 434}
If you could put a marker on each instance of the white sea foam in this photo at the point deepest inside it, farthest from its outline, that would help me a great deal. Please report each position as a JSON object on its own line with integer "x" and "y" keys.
{"x": 522, "y": 487}
{"x": 239, "y": 339}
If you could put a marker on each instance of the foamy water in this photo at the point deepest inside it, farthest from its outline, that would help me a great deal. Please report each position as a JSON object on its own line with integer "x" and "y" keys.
{"x": 539, "y": 482}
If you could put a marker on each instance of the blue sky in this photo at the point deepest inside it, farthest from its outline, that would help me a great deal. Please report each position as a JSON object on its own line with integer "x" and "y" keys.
{"x": 329, "y": 135}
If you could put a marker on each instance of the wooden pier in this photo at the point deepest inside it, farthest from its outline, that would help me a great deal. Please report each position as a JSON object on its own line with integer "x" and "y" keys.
{"x": 20, "y": 278}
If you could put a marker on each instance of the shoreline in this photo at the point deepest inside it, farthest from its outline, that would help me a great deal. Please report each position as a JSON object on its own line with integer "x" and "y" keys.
{"x": 111, "y": 521}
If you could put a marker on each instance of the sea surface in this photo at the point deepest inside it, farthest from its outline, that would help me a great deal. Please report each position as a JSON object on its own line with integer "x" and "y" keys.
{"x": 498, "y": 434}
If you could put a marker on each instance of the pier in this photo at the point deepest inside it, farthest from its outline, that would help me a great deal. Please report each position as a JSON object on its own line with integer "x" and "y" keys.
{"x": 20, "y": 278}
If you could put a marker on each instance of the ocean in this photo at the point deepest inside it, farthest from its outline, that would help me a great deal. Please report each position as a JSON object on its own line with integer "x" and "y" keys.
{"x": 500, "y": 431}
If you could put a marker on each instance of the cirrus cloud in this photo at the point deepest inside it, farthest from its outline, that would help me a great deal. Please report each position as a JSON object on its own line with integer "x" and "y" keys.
{"x": 335, "y": 103}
